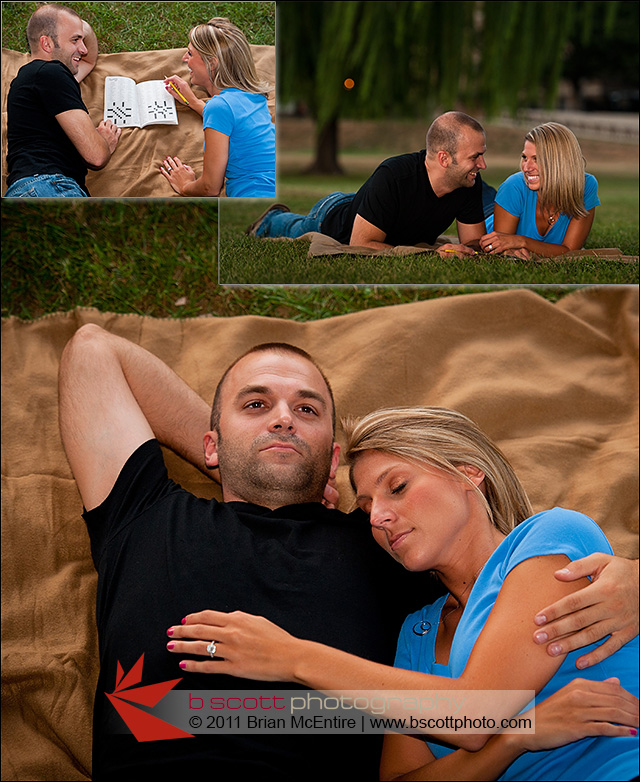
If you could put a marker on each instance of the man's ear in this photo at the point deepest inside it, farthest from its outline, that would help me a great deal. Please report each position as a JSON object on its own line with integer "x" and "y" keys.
{"x": 444, "y": 158}
{"x": 46, "y": 44}
{"x": 211, "y": 450}
{"x": 474, "y": 474}
{"x": 335, "y": 459}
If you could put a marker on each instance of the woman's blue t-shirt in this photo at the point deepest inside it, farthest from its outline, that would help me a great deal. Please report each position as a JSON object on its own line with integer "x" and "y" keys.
{"x": 514, "y": 196}
{"x": 244, "y": 117}
{"x": 557, "y": 531}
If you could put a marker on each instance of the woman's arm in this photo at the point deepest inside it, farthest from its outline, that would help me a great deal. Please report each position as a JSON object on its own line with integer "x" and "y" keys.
{"x": 184, "y": 95}
{"x": 183, "y": 179}
{"x": 581, "y": 708}
{"x": 504, "y": 238}
{"x": 606, "y": 608}
{"x": 253, "y": 647}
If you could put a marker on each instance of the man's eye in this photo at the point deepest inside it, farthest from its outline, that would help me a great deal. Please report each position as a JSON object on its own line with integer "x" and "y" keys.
{"x": 254, "y": 405}
{"x": 307, "y": 409}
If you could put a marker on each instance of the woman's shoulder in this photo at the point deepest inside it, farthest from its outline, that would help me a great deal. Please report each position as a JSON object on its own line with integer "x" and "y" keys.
{"x": 558, "y": 530}
{"x": 514, "y": 181}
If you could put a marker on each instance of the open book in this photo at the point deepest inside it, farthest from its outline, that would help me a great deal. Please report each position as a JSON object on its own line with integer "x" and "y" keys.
{"x": 131, "y": 105}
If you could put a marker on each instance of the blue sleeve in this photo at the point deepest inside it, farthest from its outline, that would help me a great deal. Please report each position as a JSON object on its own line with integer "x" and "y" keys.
{"x": 556, "y": 531}
{"x": 590, "y": 192}
{"x": 511, "y": 196}
{"x": 217, "y": 115}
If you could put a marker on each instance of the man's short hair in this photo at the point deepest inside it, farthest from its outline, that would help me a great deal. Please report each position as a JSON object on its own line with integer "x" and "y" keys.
{"x": 445, "y": 131}
{"x": 44, "y": 21}
{"x": 265, "y": 347}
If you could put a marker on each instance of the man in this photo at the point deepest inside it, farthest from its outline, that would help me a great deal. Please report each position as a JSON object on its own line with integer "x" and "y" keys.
{"x": 409, "y": 199}
{"x": 270, "y": 548}
{"x": 51, "y": 140}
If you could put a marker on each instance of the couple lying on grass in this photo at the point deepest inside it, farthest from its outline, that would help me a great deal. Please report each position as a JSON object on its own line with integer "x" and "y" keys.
{"x": 547, "y": 209}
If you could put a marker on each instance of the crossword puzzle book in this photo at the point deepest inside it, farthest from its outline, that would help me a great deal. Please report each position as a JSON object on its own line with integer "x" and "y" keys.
{"x": 131, "y": 105}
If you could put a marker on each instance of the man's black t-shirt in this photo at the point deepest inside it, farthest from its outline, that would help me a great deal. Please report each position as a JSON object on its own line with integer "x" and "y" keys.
{"x": 399, "y": 200}
{"x": 162, "y": 553}
{"x": 36, "y": 143}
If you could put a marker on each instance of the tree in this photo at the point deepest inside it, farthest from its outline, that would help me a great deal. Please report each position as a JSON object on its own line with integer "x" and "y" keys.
{"x": 407, "y": 59}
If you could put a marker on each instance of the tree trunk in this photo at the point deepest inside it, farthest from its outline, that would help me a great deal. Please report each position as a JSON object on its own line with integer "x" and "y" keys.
{"x": 326, "y": 161}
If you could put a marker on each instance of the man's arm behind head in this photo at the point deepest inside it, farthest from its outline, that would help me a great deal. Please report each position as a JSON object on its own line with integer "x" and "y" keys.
{"x": 114, "y": 396}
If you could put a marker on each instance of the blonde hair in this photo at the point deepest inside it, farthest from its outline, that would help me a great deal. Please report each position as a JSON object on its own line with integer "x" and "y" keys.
{"x": 445, "y": 439}
{"x": 221, "y": 39}
{"x": 561, "y": 166}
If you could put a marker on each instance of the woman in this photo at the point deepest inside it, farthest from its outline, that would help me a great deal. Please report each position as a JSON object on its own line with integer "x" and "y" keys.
{"x": 442, "y": 497}
{"x": 239, "y": 136}
{"x": 549, "y": 207}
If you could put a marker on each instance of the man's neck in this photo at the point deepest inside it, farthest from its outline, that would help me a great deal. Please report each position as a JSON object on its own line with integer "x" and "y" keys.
{"x": 437, "y": 180}
{"x": 270, "y": 500}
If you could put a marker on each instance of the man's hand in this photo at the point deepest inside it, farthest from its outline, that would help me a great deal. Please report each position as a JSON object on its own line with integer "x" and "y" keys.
{"x": 110, "y": 133}
{"x": 607, "y": 607}
{"x": 331, "y": 495}
{"x": 457, "y": 250}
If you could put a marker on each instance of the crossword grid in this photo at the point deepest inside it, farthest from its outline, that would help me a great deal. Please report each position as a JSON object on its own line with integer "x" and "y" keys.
{"x": 115, "y": 112}
{"x": 122, "y": 112}
{"x": 163, "y": 109}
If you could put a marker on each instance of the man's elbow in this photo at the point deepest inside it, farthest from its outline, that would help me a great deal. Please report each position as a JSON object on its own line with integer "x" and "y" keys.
{"x": 97, "y": 160}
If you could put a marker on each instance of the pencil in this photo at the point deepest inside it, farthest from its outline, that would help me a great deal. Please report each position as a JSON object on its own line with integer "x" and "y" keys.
{"x": 171, "y": 84}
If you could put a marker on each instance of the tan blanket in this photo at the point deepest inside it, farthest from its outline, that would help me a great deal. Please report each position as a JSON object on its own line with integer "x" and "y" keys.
{"x": 320, "y": 244}
{"x": 133, "y": 169}
{"x": 555, "y": 384}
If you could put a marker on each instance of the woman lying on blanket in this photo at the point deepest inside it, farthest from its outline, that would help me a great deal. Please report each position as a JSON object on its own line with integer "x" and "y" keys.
{"x": 239, "y": 136}
{"x": 549, "y": 207}
{"x": 442, "y": 497}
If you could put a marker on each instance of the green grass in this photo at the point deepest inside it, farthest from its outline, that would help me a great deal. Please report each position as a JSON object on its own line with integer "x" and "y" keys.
{"x": 131, "y": 27}
{"x": 249, "y": 261}
{"x": 156, "y": 259}
{"x": 151, "y": 258}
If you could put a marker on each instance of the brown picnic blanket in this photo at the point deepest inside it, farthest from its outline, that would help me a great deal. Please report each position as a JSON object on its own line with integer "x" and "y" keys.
{"x": 556, "y": 385}
{"x": 133, "y": 169}
{"x": 319, "y": 245}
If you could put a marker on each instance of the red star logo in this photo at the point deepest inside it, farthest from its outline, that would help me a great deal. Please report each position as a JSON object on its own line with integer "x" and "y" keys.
{"x": 145, "y": 727}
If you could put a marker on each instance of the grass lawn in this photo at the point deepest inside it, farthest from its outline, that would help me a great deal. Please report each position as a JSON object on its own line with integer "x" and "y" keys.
{"x": 249, "y": 261}
{"x": 132, "y": 27}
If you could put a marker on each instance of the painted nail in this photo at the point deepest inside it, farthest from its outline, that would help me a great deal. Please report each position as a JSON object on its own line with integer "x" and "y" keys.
{"x": 633, "y": 731}
{"x": 183, "y": 621}
{"x": 183, "y": 665}
{"x": 170, "y": 646}
{"x": 170, "y": 631}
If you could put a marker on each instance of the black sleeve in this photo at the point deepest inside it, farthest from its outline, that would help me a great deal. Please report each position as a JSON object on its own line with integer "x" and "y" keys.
{"x": 379, "y": 200}
{"x": 58, "y": 90}
{"x": 142, "y": 482}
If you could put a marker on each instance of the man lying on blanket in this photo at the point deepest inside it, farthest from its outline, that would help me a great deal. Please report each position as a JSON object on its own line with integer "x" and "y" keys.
{"x": 409, "y": 199}
{"x": 51, "y": 139}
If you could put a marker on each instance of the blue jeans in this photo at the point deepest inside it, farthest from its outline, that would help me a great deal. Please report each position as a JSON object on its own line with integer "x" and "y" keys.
{"x": 45, "y": 186}
{"x": 293, "y": 225}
